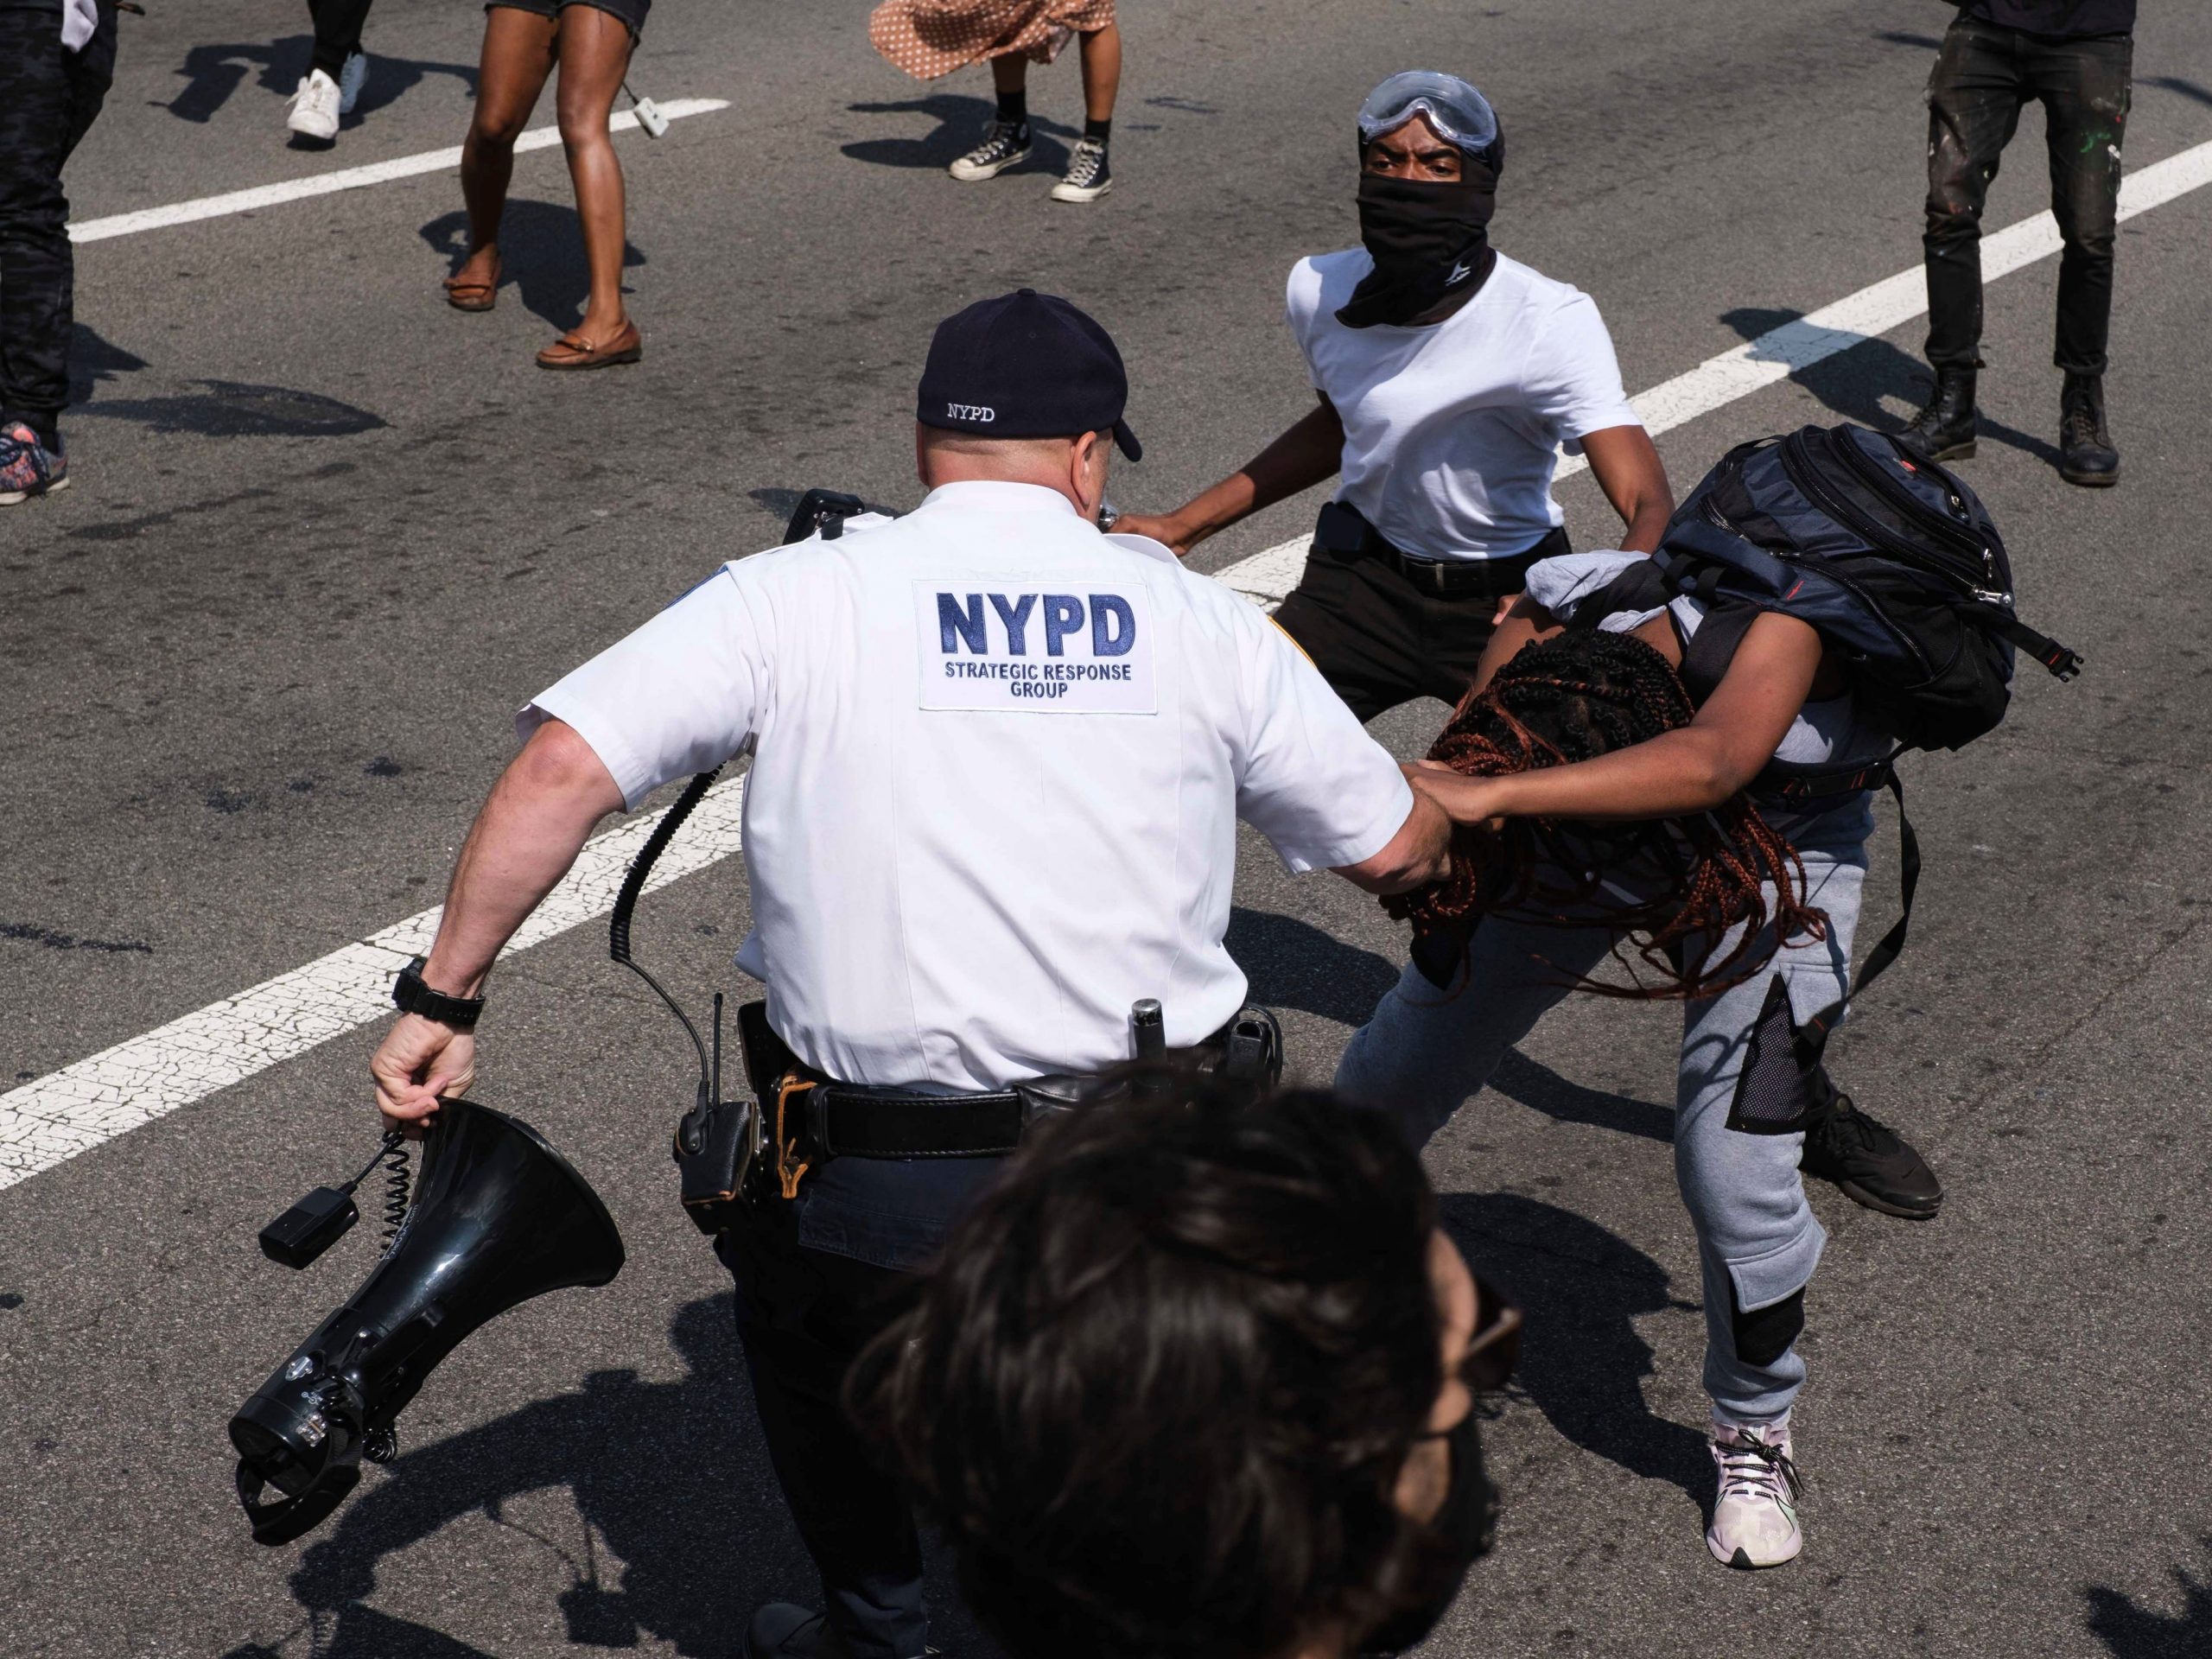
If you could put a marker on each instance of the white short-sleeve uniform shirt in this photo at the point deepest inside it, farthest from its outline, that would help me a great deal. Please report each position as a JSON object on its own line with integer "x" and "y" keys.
{"x": 1451, "y": 431}
{"x": 998, "y": 761}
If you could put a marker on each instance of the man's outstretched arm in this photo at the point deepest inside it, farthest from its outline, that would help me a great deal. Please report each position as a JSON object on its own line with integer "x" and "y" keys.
{"x": 529, "y": 832}
{"x": 1308, "y": 451}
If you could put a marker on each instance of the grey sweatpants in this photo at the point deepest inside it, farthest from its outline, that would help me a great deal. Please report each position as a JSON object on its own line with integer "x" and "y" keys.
{"x": 1426, "y": 1051}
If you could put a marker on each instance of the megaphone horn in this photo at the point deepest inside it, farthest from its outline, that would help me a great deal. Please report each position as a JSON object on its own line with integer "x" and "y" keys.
{"x": 498, "y": 1217}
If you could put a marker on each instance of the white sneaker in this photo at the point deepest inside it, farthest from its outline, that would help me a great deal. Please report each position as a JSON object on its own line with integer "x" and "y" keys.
{"x": 1755, "y": 1520}
{"x": 315, "y": 108}
{"x": 353, "y": 75}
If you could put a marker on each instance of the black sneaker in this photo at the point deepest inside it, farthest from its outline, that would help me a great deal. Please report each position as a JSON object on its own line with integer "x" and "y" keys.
{"x": 1088, "y": 176}
{"x": 1006, "y": 144}
{"x": 1872, "y": 1163}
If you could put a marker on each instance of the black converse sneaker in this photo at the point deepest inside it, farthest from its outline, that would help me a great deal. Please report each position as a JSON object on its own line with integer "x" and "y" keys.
{"x": 1872, "y": 1163}
{"x": 1008, "y": 143}
{"x": 1088, "y": 176}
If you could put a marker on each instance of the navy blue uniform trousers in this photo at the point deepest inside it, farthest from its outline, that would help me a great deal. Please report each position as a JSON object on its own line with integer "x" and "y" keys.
{"x": 48, "y": 99}
{"x": 816, "y": 1280}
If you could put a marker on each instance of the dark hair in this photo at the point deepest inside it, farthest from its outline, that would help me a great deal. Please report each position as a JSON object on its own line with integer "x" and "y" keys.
{"x": 1159, "y": 1391}
{"x": 1583, "y": 694}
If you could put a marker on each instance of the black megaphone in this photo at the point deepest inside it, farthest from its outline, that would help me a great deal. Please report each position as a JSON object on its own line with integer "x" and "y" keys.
{"x": 498, "y": 1217}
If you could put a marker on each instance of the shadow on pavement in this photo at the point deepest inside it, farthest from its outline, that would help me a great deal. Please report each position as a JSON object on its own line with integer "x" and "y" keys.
{"x": 212, "y": 73}
{"x": 219, "y": 409}
{"x": 1294, "y": 964}
{"x": 1542, "y": 1090}
{"x": 94, "y": 361}
{"x": 961, "y": 122}
{"x": 1854, "y": 382}
{"x": 2176, "y": 84}
{"x": 2130, "y": 1630}
{"x": 542, "y": 255}
{"x": 676, "y": 1532}
{"x": 1582, "y": 1358}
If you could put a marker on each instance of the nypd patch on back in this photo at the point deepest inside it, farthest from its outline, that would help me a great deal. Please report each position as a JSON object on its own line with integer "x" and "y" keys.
{"x": 1050, "y": 647}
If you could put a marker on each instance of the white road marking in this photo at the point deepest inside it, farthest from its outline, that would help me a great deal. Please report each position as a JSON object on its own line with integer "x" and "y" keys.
{"x": 345, "y": 178}
{"x": 73, "y": 1109}
{"x": 1780, "y": 352}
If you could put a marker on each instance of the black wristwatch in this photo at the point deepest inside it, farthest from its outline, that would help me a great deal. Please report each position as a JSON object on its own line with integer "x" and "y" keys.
{"x": 411, "y": 995}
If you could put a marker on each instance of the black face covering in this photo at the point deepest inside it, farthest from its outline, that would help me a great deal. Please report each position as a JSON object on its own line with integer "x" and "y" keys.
{"x": 1459, "y": 1534}
{"x": 1430, "y": 241}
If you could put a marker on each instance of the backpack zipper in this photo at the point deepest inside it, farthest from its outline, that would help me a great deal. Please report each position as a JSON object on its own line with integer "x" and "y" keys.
{"x": 1790, "y": 555}
{"x": 1958, "y": 532}
{"x": 1846, "y": 512}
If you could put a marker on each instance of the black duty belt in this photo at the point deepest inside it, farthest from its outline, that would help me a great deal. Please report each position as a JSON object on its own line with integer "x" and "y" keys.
{"x": 1343, "y": 532}
{"x": 841, "y": 1120}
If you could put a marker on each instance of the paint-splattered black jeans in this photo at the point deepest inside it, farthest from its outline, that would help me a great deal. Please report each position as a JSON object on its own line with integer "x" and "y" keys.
{"x": 1982, "y": 79}
{"x": 49, "y": 97}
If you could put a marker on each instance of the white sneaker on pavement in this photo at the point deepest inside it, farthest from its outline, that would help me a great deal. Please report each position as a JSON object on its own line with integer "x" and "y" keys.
{"x": 1755, "y": 1518}
{"x": 353, "y": 75}
{"x": 315, "y": 108}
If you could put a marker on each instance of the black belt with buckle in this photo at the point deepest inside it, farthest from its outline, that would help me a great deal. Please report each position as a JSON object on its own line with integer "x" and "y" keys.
{"x": 850, "y": 1120}
{"x": 1343, "y": 531}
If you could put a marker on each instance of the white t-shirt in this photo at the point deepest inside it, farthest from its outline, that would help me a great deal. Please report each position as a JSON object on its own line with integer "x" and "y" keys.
{"x": 998, "y": 761}
{"x": 1451, "y": 431}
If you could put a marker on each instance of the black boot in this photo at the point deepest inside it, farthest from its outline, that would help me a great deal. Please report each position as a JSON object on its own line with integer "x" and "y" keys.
{"x": 1943, "y": 430}
{"x": 1871, "y": 1162}
{"x": 2086, "y": 454}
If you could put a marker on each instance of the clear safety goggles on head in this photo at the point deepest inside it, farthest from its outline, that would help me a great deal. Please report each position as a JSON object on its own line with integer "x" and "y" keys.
{"x": 1460, "y": 115}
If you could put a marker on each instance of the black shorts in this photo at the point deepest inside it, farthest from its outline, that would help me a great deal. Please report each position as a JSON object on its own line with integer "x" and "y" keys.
{"x": 632, "y": 12}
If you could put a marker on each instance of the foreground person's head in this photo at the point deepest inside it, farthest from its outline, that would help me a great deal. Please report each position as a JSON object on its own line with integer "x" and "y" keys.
{"x": 1189, "y": 1381}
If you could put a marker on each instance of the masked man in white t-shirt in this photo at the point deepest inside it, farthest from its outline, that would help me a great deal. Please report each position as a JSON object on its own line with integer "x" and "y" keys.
{"x": 1449, "y": 376}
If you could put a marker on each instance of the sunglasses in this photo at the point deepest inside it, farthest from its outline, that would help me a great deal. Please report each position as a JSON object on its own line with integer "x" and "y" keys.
{"x": 1495, "y": 1349}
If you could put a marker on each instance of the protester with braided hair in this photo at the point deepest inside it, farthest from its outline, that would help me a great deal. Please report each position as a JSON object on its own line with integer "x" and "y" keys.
{"x": 1661, "y": 883}
{"x": 1599, "y": 815}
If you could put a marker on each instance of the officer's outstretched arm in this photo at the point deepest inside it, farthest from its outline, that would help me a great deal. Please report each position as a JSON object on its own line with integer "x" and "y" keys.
{"x": 1419, "y": 853}
{"x": 529, "y": 832}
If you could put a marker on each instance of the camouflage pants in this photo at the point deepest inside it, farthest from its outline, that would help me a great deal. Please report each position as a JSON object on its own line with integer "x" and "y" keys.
{"x": 49, "y": 97}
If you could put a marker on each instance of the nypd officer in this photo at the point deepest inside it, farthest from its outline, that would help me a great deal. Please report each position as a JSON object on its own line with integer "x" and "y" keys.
{"x": 998, "y": 758}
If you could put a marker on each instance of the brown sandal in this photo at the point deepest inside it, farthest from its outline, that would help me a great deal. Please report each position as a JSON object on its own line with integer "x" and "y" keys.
{"x": 472, "y": 296}
{"x": 573, "y": 351}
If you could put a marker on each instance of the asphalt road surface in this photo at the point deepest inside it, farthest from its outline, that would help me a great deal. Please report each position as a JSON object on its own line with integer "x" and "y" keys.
{"x": 327, "y": 534}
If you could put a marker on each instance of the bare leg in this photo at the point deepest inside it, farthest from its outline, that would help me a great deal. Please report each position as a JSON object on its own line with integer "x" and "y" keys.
{"x": 517, "y": 56}
{"x": 1101, "y": 71}
{"x": 1010, "y": 73}
{"x": 594, "y": 48}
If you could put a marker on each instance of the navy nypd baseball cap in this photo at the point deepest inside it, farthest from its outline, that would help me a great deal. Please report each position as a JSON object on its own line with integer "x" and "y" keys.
{"x": 1025, "y": 365}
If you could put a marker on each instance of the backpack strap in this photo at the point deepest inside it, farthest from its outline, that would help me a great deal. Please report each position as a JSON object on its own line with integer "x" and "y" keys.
{"x": 1816, "y": 1030}
{"x": 2063, "y": 663}
{"x": 1707, "y": 652}
{"x": 1644, "y": 586}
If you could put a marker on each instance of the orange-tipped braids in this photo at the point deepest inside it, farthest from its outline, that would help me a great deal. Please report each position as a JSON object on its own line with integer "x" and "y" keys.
{"x": 1573, "y": 697}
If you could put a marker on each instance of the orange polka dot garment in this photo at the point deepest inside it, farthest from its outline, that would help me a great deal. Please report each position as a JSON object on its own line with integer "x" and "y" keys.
{"x": 930, "y": 38}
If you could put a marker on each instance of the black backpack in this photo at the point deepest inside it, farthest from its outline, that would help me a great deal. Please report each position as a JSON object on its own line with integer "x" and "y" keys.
{"x": 1892, "y": 558}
